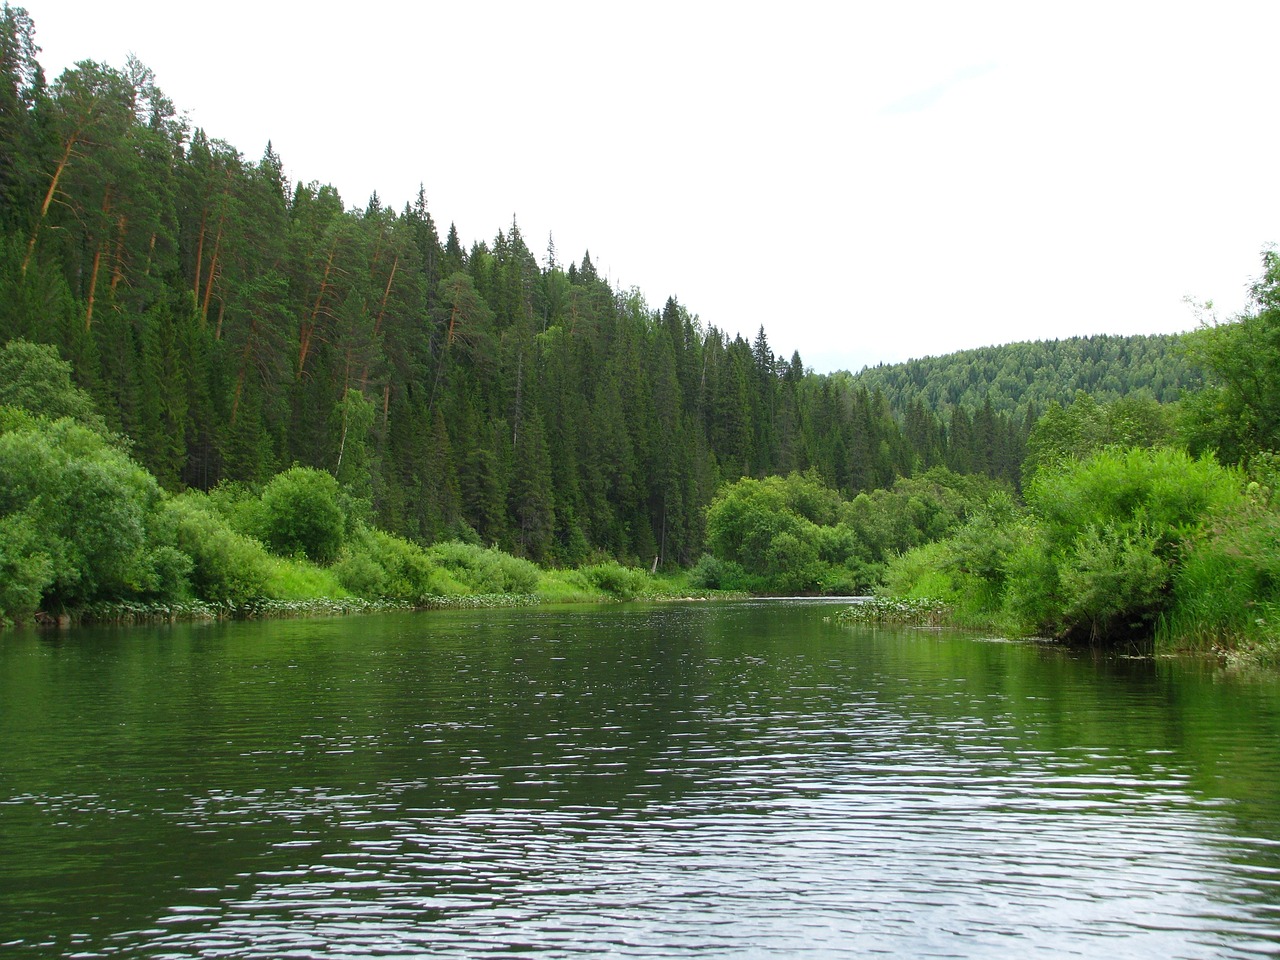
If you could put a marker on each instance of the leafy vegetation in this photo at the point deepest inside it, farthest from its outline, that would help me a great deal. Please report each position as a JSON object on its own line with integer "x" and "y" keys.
{"x": 86, "y": 531}
{"x": 234, "y": 326}
{"x": 220, "y": 391}
{"x": 794, "y": 535}
{"x": 916, "y": 612}
{"x": 1125, "y": 536}
{"x": 1023, "y": 379}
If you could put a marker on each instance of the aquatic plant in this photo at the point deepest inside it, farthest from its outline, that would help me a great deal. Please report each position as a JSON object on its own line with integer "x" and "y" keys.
{"x": 909, "y": 611}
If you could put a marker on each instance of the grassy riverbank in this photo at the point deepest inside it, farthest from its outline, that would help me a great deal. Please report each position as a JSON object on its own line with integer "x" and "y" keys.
{"x": 299, "y": 588}
{"x": 87, "y": 534}
{"x": 1256, "y": 647}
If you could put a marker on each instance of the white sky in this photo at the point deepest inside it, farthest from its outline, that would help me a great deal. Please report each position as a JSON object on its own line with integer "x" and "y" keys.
{"x": 869, "y": 181}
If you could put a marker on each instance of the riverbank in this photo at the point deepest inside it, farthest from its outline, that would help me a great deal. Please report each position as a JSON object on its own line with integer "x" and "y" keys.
{"x": 134, "y": 613}
{"x": 1243, "y": 652}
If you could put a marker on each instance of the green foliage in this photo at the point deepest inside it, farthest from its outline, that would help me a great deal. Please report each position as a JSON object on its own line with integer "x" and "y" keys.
{"x": 34, "y": 378}
{"x": 94, "y": 510}
{"x": 1086, "y": 426}
{"x": 1165, "y": 491}
{"x": 793, "y": 534}
{"x": 1227, "y": 586}
{"x": 1109, "y": 533}
{"x": 354, "y": 420}
{"x": 293, "y": 578}
{"x": 302, "y": 514}
{"x": 767, "y": 529}
{"x": 567, "y": 586}
{"x": 1109, "y": 544}
{"x": 916, "y": 510}
{"x": 227, "y": 566}
{"x": 239, "y": 505}
{"x": 712, "y": 573}
{"x": 942, "y": 570}
{"x": 924, "y": 571}
{"x": 485, "y": 570}
{"x": 1114, "y": 583}
{"x": 1239, "y": 413}
{"x": 1032, "y": 594}
{"x": 378, "y": 565}
{"x": 622, "y": 583}
{"x": 25, "y": 568}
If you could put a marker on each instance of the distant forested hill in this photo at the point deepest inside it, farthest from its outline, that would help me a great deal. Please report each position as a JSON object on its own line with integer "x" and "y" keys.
{"x": 1028, "y": 376}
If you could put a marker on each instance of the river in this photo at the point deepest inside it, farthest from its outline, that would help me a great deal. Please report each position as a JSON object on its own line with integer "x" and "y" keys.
{"x": 718, "y": 780}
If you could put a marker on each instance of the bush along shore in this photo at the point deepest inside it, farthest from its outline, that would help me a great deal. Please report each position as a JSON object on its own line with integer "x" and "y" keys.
{"x": 126, "y": 612}
{"x": 601, "y": 583}
{"x": 87, "y": 534}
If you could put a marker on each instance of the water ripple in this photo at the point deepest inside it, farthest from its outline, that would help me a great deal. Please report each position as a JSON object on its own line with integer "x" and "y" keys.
{"x": 549, "y": 789}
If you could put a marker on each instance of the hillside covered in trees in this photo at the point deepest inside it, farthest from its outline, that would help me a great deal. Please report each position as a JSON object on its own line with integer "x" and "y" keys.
{"x": 220, "y": 329}
{"x": 1022, "y": 378}
{"x": 232, "y": 324}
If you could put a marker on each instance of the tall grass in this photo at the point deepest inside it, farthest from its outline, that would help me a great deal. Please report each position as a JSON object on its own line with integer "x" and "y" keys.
{"x": 1226, "y": 589}
{"x": 484, "y": 570}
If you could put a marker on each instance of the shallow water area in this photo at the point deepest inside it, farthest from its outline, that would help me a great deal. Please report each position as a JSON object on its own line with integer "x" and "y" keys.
{"x": 722, "y": 779}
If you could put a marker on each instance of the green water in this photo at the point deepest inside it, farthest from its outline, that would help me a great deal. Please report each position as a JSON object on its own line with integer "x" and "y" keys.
{"x": 729, "y": 780}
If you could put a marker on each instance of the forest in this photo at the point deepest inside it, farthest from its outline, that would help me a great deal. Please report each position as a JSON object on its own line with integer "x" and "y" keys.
{"x": 186, "y": 334}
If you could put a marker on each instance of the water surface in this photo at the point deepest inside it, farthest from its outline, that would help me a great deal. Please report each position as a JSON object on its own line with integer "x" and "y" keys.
{"x": 727, "y": 780}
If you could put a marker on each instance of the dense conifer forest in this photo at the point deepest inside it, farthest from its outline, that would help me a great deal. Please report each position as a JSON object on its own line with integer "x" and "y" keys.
{"x": 1022, "y": 379}
{"x": 222, "y": 393}
{"x": 232, "y": 324}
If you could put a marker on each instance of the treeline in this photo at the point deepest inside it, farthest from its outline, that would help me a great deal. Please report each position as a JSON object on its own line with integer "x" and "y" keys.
{"x": 86, "y": 532}
{"x": 1022, "y": 379}
{"x": 232, "y": 325}
{"x": 1137, "y": 521}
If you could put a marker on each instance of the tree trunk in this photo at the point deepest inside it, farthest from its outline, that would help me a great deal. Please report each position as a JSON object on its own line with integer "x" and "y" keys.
{"x": 118, "y": 269}
{"x": 377, "y": 324}
{"x": 308, "y": 328}
{"x": 48, "y": 198}
{"x": 244, "y": 369}
{"x": 213, "y": 272}
{"x": 97, "y": 260}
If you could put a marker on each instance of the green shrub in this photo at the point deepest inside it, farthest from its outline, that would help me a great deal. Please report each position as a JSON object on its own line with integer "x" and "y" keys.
{"x": 379, "y": 565}
{"x": 1226, "y": 590}
{"x": 1113, "y": 584}
{"x": 293, "y": 578}
{"x": 240, "y": 505}
{"x": 302, "y": 515}
{"x": 714, "y": 574}
{"x": 359, "y": 572}
{"x": 485, "y": 570}
{"x": 25, "y": 569}
{"x": 623, "y": 583}
{"x": 93, "y": 508}
{"x": 1108, "y": 536}
{"x": 916, "y": 510}
{"x": 568, "y": 586}
{"x": 1166, "y": 491}
{"x": 227, "y": 567}
{"x": 925, "y": 571}
{"x": 1032, "y": 593}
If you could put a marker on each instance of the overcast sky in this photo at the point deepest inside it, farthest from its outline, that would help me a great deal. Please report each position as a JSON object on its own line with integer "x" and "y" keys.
{"x": 868, "y": 181}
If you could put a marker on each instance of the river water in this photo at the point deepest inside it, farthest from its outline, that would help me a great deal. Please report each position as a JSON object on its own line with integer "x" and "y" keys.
{"x": 712, "y": 780}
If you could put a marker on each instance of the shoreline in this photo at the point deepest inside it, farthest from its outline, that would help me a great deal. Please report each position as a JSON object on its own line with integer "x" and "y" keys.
{"x": 129, "y": 614}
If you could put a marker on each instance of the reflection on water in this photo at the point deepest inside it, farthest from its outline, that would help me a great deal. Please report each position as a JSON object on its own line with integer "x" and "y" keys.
{"x": 727, "y": 780}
